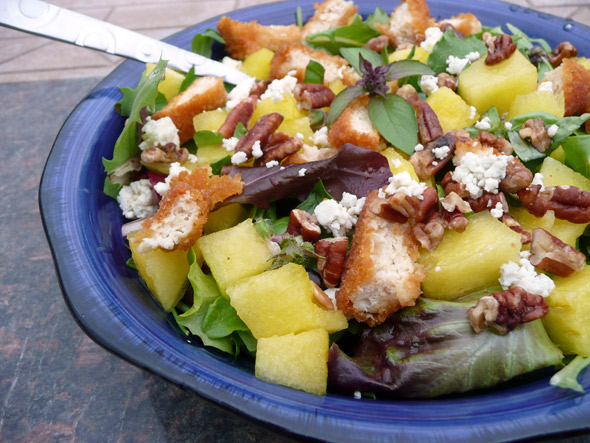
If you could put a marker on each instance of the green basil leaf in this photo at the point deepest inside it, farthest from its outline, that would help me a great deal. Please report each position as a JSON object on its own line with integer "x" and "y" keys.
{"x": 314, "y": 73}
{"x": 240, "y": 130}
{"x": 342, "y": 100}
{"x": 317, "y": 195}
{"x": 395, "y": 120}
{"x": 412, "y": 52}
{"x": 521, "y": 148}
{"x": 449, "y": 45}
{"x": 379, "y": 16}
{"x": 567, "y": 377}
{"x": 217, "y": 165}
{"x": 406, "y": 68}
{"x": 202, "y": 44}
{"x": 354, "y": 35}
{"x": 577, "y": 153}
{"x": 352, "y": 55}
{"x": 188, "y": 79}
{"x": 207, "y": 138}
{"x": 523, "y": 43}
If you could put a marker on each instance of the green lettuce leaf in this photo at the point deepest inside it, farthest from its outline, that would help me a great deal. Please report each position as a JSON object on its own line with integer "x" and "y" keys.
{"x": 202, "y": 44}
{"x": 577, "y": 154}
{"x": 315, "y": 197}
{"x": 354, "y": 35}
{"x": 449, "y": 45}
{"x": 567, "y": 377}
{"x": 314, "y": 73}
{"x": 430, "y": 350}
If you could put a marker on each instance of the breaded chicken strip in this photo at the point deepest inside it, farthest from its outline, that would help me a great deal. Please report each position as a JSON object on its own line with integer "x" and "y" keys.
{"x": 204, "y": 94}
{"x": 464, "y": 23}
{"x": 380, "y": 274}
{"x": 329, "y": 15}
{"x": 243, "y": 39}
{"x": 354, "y": 126}
{"x": 407, "y": 21}
{"x": 184, "y": 210}
{"x": 573, "y": 80}
{"x": 296, "y": 58}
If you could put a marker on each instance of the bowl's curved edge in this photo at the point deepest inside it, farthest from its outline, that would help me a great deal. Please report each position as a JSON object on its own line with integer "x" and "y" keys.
{"x": 137, "y": 361}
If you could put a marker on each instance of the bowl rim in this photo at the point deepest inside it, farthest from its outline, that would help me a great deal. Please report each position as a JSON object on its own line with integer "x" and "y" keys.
{"x": 279, "y": 406}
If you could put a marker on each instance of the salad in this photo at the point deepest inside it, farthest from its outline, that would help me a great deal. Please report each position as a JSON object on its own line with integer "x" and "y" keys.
{"x": 393, "y": 205}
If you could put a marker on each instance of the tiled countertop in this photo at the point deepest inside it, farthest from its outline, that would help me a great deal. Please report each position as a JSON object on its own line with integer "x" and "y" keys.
{"x": 56, "y": 384}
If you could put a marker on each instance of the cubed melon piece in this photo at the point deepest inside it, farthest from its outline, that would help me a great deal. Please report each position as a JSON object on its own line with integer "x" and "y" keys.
{"x": 529, "y": 222}
{"x": 209, "y": 154}
{"x": 568, "y": 320}
{"x": 281, "y": 302}
{"x": 337, "y": 86}
{"x": 225, "y": 218}
{"x": 469, "y": 261}
{"x": 297, "y": 126}
{"x": 235, "y": 253}
{"x": 165, "y": 273}
{"x": 556, "y": 173}
{"x": 558, "y": 154}
{"x": 397, "y": 163}
{"x": 584, "y": 61}
{"x": 497, "y": 85}
{"x": 286, "y": 107}
{"x": 402, "y": 54}
{"x": 209, "y": 120}
{"x": 257, "y": 64}
{"x": 451, "y": 110}
{"x": 299, "y": 361}
{"x": 170, "y": 85}
{"x": 537, "y": 101}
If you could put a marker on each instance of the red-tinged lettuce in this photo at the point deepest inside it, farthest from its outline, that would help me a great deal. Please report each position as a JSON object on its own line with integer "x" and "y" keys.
{"x": 430, "y": 350}
{"x": 354, "y": 170}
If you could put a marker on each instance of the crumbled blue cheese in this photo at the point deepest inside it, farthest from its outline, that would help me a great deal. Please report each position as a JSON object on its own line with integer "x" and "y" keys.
{"x": 240, "y": 93}
{"x": 437, "y": 269}
{"x": 278, "y": 87}
{"x": 497, "y": 211}
{"x": 239, "y": 158}
{"x": 404, "y": 183}
{"x": 508, "y": 126}
{"x": 339, "y": 218}
{"x": 192, "y": 158}
{"x": 158, "y": 133}
{"x": 545, "y": 86}
{"x": 320, "y": 137}
{"x": 300, "y": 136}
{"x": 480, "y": 174}
{"x": 357, "y": 395}
{"x": 272, "y": 164}
{"x": 441, "y": 152}
{"x": 229, "y": 144}
{"x": 525, "y": 276}
{"x": 538, "y": 180}
{"x": 485, "y": 124}
{"x": 419, "y": 147}
{"x": 455, "y": 65}
{"x": 396, "y": 163}
{"x": 137, "y": 199}
{"x": 256, "y": 149}
{"x": 429, "y": 84}
{"x": 472, "y": 112}
{"x": 174, "y": 170}
{"x": 552, "y": 130}
{"x": 301, "y": 172}
{"x": 432, "y": 36}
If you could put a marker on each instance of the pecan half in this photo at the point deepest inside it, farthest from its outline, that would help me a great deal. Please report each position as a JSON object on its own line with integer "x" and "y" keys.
{"x": 259, "y": 88}
{"x": 334, "y": 252}
{"x": 531, "y": 201}
{"x": 447, "y": 81}
{"x": 321, "y": 297}
{"x": 305, "y": 224}
{"x": 313, "y": 95}
{"x": 240, "y": 114}
{"x": 455, "y": 220}
{"x": 550, "y": 254}
{"x": 518, "y": 177}
{"x": 426, "y": 163}
{"x": 536, "y": 131}
{"x": 431, "y": 233}
{"x": 499, "y": 48}
{"x": 563, "y": 50}
{"x": 276, "y": 139}
{"x": 568, "y": 202}
{"x": 377, "y": 43}
{"x": 429, "y": 128}
{"x": 400, "y": 207}
{"x": 165, "y": 154}
{"x": 450, "y": 185}
{"x": 499, "y": 144}
{"x": 505, "y": 310}
{"x": 408, "y": 93}
{"x": 512, "y": 223}
{"x": 453, "y": 201}
{"x": 261, "y": 131}
{"x": 282, "y": 150}
{"x": 488, "y": 201}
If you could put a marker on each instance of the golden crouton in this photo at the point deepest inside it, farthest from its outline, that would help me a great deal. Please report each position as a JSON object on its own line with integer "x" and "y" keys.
{"x": 243, "y": 39}
{"x": 464, "y": 23}
{"x": 354, "y": 126}
{"x": 329, "y": 15}
{"x": 380, "y": 274}
{"x": 204, "y": 94}
{"x": 574, "y": 80}
{"x": 407, "y": 21}
{"x": 296, "y": 58}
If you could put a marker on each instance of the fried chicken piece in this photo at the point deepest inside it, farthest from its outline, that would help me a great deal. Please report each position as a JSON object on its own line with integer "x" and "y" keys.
{"x": 204, "y": 94}
{"x": 296, "y": 58}
{"x": 243, "y": 39}
{"x": 184, "y": 210}
{"x": 329, "y": 15}
{"x": 407, "y": 21}
{"x": 464, "y": 23}
{"x": 573, "y": 80}
{"x": 354, "y": 126}
{"x": 380, "y": 274}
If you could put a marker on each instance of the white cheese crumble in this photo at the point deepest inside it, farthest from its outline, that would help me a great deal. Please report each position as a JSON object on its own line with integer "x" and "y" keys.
{"x": 437, "y": 269}
{"x": 419, "y": 147}
{"x": 339, "y": 218}
{"x": 485, "y": 124}
{"x": 256, "y": 149}
{"x": 455, "y": 65}
{"x": 472, "y": 112}
{"x": 404, "y": 183}
{"x": 272, "y": 164}
{"x": 357, "y": 395}
{"x": 192, "y": 158}
{"x": 300, "y": 136}
{"x": 174, "y": 171}
{"x": 552, "y": 130}
{"x": 497, "y": 211}
{"x": 340, "y": 72}
{"x": 278, "y": 87}
{"x": 508, "y": 126}
{"x": 441, "y": 152}
{"x": 525, "y": 276}
{"x": 480, "y": 174}
{"x": 137, "y": 200}
{"x": 230, "y": 143}
{"x": 239, "y": 158}
{"x": 396, "y": 163}
{"x": 320, "y": 137}
{"x": 429, "y": 84}
{"x": 158, "y": 133}
{"x": 538, "y": 180}
{"x": 301, "y": 172}
{"x": 433, "y": 35}
{"x": 240, "y": 93}
{"x": 545, "y": 86}
{"x": 281, "y": 168}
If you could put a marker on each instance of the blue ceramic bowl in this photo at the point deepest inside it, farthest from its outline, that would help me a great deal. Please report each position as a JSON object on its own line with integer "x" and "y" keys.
{"x": 113, "y": 307}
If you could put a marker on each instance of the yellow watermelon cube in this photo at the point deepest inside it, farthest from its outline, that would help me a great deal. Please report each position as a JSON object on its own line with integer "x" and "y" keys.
{"x": 170, "y": 85}
{"x": 209, "y": 120}
{"x": 397, "y": 163}
{"x": 224, "y": 218}
{"x": 402, "y": 54}
{"x": 537, "y": 101}
{"x": 257, "y": 64}
{"x": 287, "y": 108}
{"x": 451, "y": 110}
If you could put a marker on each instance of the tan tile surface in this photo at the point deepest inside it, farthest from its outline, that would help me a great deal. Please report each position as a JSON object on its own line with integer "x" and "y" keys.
{"x": 30, "y": 58}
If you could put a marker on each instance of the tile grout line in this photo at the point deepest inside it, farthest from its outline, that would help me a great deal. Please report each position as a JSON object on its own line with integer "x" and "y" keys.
{"x": 42, "y": 44}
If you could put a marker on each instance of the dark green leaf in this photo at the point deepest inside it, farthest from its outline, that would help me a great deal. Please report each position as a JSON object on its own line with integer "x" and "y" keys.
{"x": 279, "y": 226}
{"x": 314, "y": 73}
{"x": 222, "y": 319}
{"x": 131, "y": 264}
{"x": 193, "y": 321}
{"x": 518, "y": 121}
{"x": 240, "y": 130}
{"x": 352, "y": 55}
{"x": 567, "y": 377}
{"x": 315, "y": 197}
{"x": 217, "y": 165}
{"x": 449, "y": 45}
{"x": 202, "y": 44}
{"x": 544, "y": 68}
{"x": 496, "y": 126}
{"x": 204, "y": 286}
{"x": 523, "y": 43}
{"x": 207, "y": 138}
{"x": 522, "y": 149}
{"x": 354, "y": 35}
{"x": 248, "y": 340}
{"x": 405, "y": 68}
{"x": 577, "y": 153}
{"x": 412, "y": 52}
{"x": 189, "y": 78}
{"x": 317, "y": 119}
{"x": 342, "y": 100}
{"x": 160, "y": 102}
{"x": 395, "y": 120}
{"x": 566, "y": 127}
{"x": 295, "y": 250}
{"x": 379, "y": 16}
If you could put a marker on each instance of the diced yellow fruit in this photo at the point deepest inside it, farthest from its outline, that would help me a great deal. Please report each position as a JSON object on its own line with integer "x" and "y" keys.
{"x": 299, "y": 361}
{"x": 235, "y": 253}
{"x": 568, "y": 320}
{"x": 402, "y": 54}
{"x": 280, "y": 302}
{"x": 157, "y": 167}
{"x": 529, "y": 222}
{"x": 556, "y": 173}
{"x": 209, "y": 120}
{"x": 397, "y": 163}
{"x": 451, "y": 110}
{"x": 286, "y": 107}
{"x": 209, "y": 154}
{"x": 469, "y": 261}
{"x": 584, "y": 61}
{"x": 170, "y": 86}
{"x": 257, "y": 64}
{"x": 337, "y": 86}
{"x": 558, "y": 154}
{"x": 164, "y": 273}
{"x": 497, "y": 85}
{"x": 537, "y": 101}
{"x": 225, "y": 218}
{"x": 297, "y": 126}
